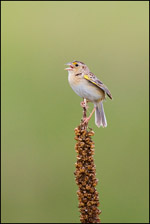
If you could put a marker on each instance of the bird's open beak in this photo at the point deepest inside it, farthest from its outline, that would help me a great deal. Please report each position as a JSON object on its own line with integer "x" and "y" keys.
{"x": 69, "y": 68}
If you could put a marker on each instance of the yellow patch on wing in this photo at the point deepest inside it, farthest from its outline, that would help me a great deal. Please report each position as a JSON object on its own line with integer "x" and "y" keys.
{"x": 88, "y": 78}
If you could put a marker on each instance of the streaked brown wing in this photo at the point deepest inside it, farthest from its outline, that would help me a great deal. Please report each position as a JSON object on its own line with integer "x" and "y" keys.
{"x": 93, "y": 79}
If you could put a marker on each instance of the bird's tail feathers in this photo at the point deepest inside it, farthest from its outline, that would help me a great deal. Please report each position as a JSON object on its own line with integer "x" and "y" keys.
{"x": 100, "y": 118}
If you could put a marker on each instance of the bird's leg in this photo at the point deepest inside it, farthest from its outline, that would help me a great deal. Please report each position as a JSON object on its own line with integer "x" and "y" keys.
{"x": 86, "y": 120}
{"x": 83, "y": 104}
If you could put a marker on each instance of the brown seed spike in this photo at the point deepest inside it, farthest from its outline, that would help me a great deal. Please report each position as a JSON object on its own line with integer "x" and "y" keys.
{"x": 85, "y": 175}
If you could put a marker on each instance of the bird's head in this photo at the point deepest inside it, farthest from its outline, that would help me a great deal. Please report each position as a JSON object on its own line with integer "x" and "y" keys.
{"x": 77, "y": 67}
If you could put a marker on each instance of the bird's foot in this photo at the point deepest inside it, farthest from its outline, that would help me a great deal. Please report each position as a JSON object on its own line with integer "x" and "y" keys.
{"x": 86, "y": 120}
{"x": 84, "y": 105}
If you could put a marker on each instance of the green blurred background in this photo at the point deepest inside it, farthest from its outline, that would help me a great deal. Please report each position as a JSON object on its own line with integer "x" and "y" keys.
{"x": 40, "y": 110}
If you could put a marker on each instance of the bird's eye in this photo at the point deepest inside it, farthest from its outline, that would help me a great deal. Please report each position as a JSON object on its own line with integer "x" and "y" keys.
{"x": 76, "y": 65}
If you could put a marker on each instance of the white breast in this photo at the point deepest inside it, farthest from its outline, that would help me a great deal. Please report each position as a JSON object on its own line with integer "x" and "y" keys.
{"x": 85, "y": 89}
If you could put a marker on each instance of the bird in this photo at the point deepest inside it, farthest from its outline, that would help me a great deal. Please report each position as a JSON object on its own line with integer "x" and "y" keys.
{"x": 86, "y": 85}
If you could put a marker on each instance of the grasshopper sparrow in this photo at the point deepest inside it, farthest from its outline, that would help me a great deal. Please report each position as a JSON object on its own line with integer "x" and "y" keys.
{"x": 90, "y": 88}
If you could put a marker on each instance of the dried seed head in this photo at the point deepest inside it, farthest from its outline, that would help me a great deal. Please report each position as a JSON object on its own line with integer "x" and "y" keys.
{"x": 85, "y": 176}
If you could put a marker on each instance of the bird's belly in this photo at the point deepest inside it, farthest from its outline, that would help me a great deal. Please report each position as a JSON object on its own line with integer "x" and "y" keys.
{"x": 89, "y": 91}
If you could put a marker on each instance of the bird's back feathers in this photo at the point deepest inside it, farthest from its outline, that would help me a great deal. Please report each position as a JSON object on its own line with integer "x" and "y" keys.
{"x": 93, "y": 79}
